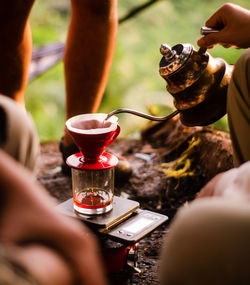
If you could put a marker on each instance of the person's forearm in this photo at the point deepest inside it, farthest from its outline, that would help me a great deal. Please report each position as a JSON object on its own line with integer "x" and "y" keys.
{"x": 88, "y": 54}
{"x": 232, "y": 184}
{"x": 18, "y": 183}
{"x": 28, "y": 216}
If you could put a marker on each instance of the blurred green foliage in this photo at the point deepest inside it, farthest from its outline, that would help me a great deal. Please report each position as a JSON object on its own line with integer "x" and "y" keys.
{"x": 134, "y": 81}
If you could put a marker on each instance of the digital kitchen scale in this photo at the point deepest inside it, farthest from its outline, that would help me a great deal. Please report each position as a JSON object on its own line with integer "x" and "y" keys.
{"x": 125, "y": 223}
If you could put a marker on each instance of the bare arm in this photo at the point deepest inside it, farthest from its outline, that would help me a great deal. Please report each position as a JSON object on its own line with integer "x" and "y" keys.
{"x": 232, "y": 184}
{"x": 233, "y": 22}
{"x": 27, "y": 215}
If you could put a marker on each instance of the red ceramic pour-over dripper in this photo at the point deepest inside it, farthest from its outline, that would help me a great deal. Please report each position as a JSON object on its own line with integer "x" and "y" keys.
{"x": 92, "y": 134}
{"x": 92, "y": 168}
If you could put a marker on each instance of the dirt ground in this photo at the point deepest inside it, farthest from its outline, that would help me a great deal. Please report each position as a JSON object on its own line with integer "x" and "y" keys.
{"x": 169, "y": 164}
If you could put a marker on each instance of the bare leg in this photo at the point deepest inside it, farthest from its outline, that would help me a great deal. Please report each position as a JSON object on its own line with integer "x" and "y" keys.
{"x": 15, "y": 48}
{"x": 88, "y": 55}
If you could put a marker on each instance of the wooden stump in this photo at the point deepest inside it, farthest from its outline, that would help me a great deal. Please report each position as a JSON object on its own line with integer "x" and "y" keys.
{"x": 191, "y": 157}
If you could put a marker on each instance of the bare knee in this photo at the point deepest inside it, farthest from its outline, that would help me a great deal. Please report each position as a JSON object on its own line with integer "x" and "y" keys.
{"x": 205, "y": 243}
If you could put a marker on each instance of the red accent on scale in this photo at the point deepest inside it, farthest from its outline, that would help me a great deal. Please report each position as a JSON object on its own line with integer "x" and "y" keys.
{"x": 115, "y": 259}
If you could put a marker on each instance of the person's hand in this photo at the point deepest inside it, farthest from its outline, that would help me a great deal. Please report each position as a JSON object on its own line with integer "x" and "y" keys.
{"x": 28, "y": 215}
{"x": 232, "y": 184}
{"x": 233, "y": 23}
{"x": 42, "y": 263}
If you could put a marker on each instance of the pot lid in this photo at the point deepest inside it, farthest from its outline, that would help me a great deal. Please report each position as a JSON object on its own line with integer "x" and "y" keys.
{"x": 173, "y": 58}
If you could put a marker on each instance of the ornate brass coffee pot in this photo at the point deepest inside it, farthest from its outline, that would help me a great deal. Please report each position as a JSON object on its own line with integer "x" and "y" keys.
{"x": 197, "y": 81}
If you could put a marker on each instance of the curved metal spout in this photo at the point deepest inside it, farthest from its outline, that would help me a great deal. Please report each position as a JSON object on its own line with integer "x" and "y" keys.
{"x": 143, "y": 115}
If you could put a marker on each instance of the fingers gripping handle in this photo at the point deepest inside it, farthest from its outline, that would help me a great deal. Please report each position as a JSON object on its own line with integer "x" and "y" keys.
{"x": 206, "y": 31}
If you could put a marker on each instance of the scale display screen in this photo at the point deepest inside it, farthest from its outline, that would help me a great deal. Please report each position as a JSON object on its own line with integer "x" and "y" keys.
{"x": 137, "y": 225}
